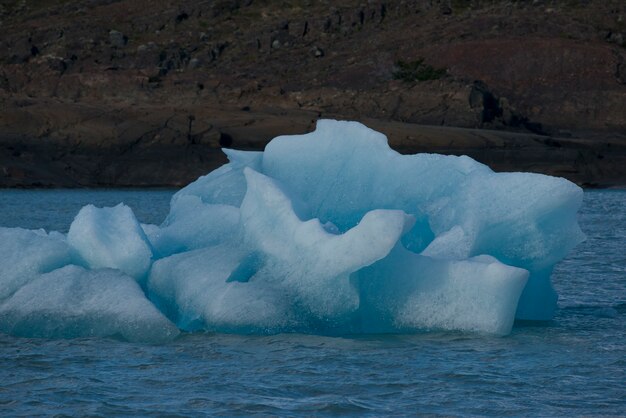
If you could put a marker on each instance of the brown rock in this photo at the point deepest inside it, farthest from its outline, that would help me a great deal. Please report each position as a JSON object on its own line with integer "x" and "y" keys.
{"x": 82, "y": 88}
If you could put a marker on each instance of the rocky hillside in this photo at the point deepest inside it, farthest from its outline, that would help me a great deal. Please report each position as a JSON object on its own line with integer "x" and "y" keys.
{"x": 121, "y": 92}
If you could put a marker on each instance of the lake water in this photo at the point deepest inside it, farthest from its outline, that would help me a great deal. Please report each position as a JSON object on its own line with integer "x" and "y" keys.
{"x": 573, "y": 365}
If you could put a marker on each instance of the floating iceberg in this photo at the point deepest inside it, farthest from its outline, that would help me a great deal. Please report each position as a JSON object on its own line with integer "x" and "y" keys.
{"x": 330, "y": 232}
{"x": 74, "y": 302}
{"x": 111, "y": 237}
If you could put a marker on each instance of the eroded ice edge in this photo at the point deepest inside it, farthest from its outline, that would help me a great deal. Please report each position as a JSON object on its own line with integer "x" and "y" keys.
{"x": 331, "y": 232}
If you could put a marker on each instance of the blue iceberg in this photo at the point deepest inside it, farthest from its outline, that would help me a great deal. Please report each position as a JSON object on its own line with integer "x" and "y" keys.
{"x": 331, "y": 232}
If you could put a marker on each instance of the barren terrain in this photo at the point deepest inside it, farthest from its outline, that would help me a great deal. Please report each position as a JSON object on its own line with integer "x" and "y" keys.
{"x": 144, "y": 93}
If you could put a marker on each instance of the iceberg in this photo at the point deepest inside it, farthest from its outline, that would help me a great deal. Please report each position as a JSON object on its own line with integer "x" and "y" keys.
{"x": 110, "y": 237}
{"x": 75, "y": 302}
{"x": 330, "y": 232}
{"x": 26, "y": 254}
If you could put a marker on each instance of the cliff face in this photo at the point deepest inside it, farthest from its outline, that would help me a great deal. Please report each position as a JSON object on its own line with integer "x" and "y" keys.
{"x": 104, "y": 92}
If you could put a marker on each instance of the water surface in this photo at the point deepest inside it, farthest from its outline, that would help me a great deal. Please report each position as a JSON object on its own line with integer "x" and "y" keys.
{"x": 573, "y": 365}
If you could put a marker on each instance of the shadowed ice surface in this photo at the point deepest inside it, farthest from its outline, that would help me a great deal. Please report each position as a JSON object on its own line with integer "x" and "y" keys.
{"x": 572, "y": 365}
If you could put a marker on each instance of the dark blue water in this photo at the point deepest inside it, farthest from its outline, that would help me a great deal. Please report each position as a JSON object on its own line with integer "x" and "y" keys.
{"x": 573, "y": 365}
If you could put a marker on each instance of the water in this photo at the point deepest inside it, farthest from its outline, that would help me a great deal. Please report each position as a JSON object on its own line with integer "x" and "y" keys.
{"x": 573, "y": 365}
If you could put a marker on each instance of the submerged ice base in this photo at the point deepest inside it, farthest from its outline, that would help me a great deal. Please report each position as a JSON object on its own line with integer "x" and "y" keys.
{"x": 330, "y": 232}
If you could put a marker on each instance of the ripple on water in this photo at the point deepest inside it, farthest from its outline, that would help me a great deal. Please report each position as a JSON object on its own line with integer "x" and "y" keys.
{"x": 573, "y": 365}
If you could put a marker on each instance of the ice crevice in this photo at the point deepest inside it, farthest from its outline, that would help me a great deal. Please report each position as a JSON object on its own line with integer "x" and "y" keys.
{"x": 330, "y": 232}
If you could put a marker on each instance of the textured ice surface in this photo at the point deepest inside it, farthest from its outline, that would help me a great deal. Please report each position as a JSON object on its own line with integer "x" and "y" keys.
{"x": 74, "y": 302}
{"x": 330, "y": 232}
{"x": 192, "y": 224}
{"x": 26, "y": 254}
{"x": 111, "y": 237}
{"x": 194, "y": 290}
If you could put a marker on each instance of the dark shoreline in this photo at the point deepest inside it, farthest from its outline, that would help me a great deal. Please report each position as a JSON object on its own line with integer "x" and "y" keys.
{"x": 136, "y": 151}
{"x": 165, "y": 188}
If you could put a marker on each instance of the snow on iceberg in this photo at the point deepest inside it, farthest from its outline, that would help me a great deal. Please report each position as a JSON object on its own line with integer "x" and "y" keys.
{"x": 331, "y": 232}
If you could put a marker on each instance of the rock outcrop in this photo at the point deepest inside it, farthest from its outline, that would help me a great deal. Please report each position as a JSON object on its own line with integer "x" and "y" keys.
{"x": 137, "y": 93}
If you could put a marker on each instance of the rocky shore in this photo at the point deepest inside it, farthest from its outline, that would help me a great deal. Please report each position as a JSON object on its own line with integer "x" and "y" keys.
{"x": 137, "y": 93}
